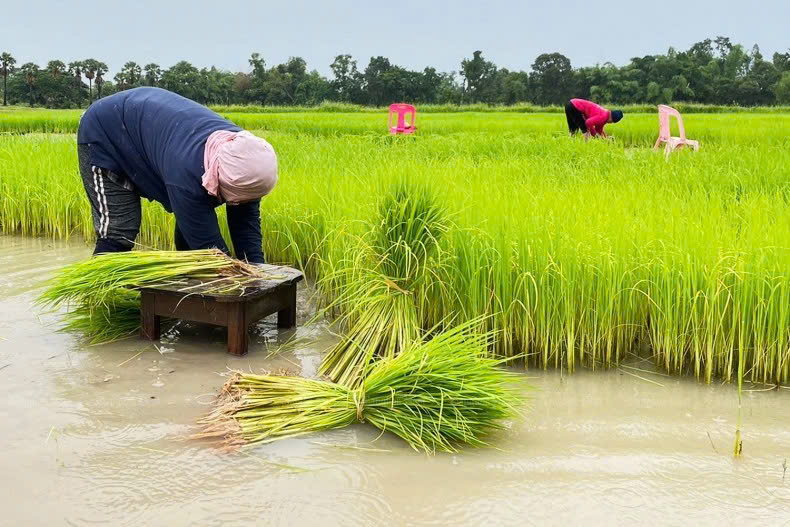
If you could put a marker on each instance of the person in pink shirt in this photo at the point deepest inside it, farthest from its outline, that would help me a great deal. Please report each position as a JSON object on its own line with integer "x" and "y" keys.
{"x": 589, "y": 117}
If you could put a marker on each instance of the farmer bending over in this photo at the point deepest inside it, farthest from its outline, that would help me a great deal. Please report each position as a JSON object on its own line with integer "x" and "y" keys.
{"x": 589, "y": 117}
{"x": 151, "y": 143}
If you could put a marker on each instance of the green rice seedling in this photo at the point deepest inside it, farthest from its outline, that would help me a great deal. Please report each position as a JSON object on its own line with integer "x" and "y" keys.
{"x": 382, "y": 282}
{"x": 435, "y": 395}
{"x": 574, "y": 253}
{"x": 117, "y": 317}
{"x": 101, "y": 290}
{"x": 106, "y": 273}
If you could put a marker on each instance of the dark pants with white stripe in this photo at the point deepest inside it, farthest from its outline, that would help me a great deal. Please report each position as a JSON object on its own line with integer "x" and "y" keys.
{"x": 575, "y": 119}
{"x": 115, "y": 206}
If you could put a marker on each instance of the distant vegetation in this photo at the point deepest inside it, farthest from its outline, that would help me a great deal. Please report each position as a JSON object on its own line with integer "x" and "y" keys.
{"x": 713, "y": 72}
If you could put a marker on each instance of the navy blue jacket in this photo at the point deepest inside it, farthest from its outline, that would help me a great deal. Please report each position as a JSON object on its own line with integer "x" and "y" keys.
{"x": 156, "y": 138}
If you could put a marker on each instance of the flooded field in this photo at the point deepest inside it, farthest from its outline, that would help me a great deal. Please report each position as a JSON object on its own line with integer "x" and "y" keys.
{"x": 96, "y": 435}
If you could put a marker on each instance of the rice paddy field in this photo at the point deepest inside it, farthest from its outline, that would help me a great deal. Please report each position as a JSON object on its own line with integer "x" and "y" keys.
{"x": 96, "y": 435}
{"x": 578, "y": 253}
{"x": 662, "y": 284}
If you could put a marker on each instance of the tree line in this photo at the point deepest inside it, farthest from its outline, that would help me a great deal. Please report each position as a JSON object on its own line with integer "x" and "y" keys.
{"x": 713, "y": 71}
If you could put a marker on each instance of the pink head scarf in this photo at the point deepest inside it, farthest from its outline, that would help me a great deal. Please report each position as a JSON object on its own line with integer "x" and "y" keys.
{"x": 239, "y": 166}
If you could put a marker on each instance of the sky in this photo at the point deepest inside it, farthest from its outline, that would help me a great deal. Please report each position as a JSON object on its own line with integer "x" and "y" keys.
{"x": 411, "y": 33}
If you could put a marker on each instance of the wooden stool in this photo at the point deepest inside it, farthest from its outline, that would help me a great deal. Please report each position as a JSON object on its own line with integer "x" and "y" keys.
{"x": 235, "y": 311}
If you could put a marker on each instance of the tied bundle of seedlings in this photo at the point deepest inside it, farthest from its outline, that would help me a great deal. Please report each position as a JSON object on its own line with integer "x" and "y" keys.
{"x": 101, "y": 292}
{"x": 435, "y": 395}
{"x": 382, "y": 282}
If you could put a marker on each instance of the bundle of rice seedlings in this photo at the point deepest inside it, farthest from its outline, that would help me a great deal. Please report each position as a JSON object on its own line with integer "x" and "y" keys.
{"x": 435, "y": 395}
{"x": 116, "y": 317}
{"x": 381, "y": 282}
{"x": 100, "y": 292}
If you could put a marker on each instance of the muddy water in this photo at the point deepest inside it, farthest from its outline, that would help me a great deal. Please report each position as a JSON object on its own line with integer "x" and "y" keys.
{"x": 93, "y": 435}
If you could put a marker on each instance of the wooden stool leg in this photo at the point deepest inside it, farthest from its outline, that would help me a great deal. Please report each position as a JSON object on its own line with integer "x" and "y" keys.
{"x": 287, "y": 317}
{"x": 237, "y": 329}
{"x": 149, "y": 322}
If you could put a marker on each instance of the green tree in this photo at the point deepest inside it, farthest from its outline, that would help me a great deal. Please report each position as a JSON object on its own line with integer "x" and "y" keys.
{"x": 76, "y": 71}
{"x": 220, "y": 86}
{"x": 89, "y": 67}
{"x": 701, "y": 53}
{"x": 449, "y": 91}
{"x": 585, "y": 80}
{"x": 478, "y": 74}
{"x": 723, "y": 46}
{"x": 282, "y": 81}
{"x": 552, "y": 79}
{"x": 257, "y": 91}
{"x": 386, "y": 83}
{"x": 129, "y": 76}
{"x": 56, "y": 68}
{"x": 515, "y": 87}
{"x": 278, "y": 88}
{"x": 736, "y": 63}
{"x": 680, "y": 88}
{"x": 7, "y": 63}
{"x": 182, "y": 78}
{"x": 101, "y": 69}
{"x": 710, "y": 71}
{"x": 376, "y": 85}
{"x": 347, "y": 82}
{"x": 258, "y": 66}
{"x": 152, "y": 74}
{"x": 782, "y": 89}
{"x": 54, "y": 90}
{"x": 108, "y": 88}
{"x": 241, "y": 87}
{"x": 29, "y": 72}
{"x": 655, "y": 94}
{"x": 782, "y": 61}
{"x": 313, "y": 90}
{"x": 429, "y": 83}
{"x": 764, "y": 76}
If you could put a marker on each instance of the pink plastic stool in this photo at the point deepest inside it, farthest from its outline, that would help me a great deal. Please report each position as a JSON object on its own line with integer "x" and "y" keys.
{"x": 402, "y": 110}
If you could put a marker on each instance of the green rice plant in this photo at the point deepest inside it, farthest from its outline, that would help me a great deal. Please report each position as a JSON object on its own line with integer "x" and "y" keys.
{"x": 382, "y": 281}
{"x": 574, "y": 253}
{"x": 102, "y": 290}
{"x": 117, "y": 317}
{"x": 435, "y": 395}
{"x": 349, "y": 118}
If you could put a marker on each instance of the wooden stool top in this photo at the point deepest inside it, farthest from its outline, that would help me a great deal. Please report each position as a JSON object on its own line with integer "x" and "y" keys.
{"x": 232, "y": 302}
{"x": 279, "y": 277}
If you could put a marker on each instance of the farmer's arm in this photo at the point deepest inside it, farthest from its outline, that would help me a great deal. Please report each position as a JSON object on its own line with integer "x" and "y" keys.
{"x": 244, "y": 223}
{"x": 596, "y": 122}
{"x": 196, "y": 219}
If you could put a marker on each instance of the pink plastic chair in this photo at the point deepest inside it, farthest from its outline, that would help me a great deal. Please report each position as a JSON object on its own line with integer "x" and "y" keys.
{"x": 402, "y": 110}
{"x": 664, "y": 133}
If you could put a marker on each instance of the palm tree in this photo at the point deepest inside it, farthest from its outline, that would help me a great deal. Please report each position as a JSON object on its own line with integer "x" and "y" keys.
{"x": 56, "y": 68}
{"x": 76, "y": 69}
{"x": 7, "y": 62}
{"x": 30, "y": 71}
{"x": 89, "y": 67}
{"x": 129, "y": 76}
{"x": 132, "y": 72}
{"x": 152, "y": 74}
{"x": 101, "y": 69}
{"x": 120, "y": 81}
